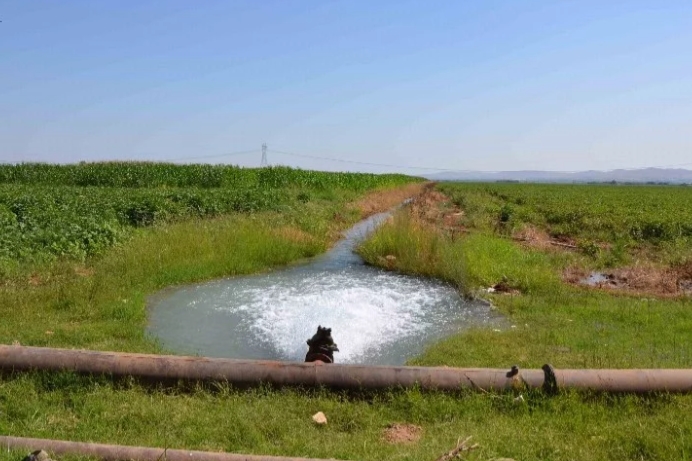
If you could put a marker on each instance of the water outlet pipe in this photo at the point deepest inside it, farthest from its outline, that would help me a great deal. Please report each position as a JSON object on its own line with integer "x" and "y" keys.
{"x": 129, "y": 453}
{"x": 160, "y": 368}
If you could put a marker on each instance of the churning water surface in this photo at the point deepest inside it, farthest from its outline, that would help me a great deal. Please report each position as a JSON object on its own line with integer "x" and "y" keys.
{"x": 377, "y": 317}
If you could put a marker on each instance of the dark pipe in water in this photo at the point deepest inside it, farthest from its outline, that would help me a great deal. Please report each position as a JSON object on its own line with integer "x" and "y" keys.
{"x": 254, "y": 372}
{"x": 126, "y": 453}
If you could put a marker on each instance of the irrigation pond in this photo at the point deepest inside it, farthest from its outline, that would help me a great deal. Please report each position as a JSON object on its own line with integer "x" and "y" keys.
{"x": 376, "y": 316}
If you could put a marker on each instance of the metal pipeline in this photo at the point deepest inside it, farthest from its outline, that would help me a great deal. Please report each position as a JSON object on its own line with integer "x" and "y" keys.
{"x": 127, "y": 453}
{"x": 635, "y": 381}
{"x": 254, "y": 372}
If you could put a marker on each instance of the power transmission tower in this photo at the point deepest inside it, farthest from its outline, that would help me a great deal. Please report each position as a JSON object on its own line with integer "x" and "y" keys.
{"x": 264, "y": 155}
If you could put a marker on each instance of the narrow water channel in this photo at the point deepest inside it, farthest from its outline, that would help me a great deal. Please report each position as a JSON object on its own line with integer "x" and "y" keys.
{"x": 377, "y": 317}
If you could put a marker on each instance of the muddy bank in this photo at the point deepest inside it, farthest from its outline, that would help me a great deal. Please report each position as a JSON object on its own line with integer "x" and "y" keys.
{"x": 645, "y": 279}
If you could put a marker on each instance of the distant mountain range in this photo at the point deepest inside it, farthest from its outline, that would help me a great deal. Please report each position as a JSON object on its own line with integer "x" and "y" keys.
{"x": 651, "y": 175}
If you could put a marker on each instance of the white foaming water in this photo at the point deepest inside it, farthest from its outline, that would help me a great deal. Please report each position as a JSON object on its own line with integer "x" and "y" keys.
{"x": 376, "y": 317}
{"x": 365, "y": 314}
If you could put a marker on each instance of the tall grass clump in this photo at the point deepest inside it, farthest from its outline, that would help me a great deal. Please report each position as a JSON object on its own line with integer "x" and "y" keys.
{"x": 407, "y": 243}
{"x": 410, "y": 245}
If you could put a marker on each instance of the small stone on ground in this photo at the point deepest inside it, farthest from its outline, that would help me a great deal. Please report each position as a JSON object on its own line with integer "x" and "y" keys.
{"x": 319, "y": 418}
{"x": 38, "y": 455}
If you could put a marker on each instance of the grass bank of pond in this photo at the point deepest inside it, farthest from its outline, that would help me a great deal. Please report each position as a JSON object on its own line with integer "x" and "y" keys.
{"x": 551, "y": 322}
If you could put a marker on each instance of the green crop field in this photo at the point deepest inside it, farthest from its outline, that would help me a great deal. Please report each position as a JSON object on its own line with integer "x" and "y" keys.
{"x": 49, "y": 212}
{"x": 627, "y": 217}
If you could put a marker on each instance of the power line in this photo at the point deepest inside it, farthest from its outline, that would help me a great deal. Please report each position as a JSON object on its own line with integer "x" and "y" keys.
{"x": 317, "y": 157}
{"x": 367, "y": 163}
{"x": 264, "y": 161}
{"x": 228, "y": 154}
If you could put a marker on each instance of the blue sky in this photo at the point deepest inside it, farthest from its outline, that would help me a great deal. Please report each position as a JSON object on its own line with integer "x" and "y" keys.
{"x": 491, "y": 85}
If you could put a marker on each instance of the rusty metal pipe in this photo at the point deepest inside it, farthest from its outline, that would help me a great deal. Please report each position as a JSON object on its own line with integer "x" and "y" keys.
{"x": 127, "y": 453}
{"x": 253, "y": 372}
{"x": 635, "y": 381}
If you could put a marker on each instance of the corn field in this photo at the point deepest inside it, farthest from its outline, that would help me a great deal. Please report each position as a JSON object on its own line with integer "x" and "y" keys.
{"x": 49, "y": 211}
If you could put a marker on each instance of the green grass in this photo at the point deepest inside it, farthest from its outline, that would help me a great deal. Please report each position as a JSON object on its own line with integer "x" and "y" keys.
{"x": 558, "y": 324}
{"x": 102, "y": 305}
{"x": 554, "y": 323}
{"x": 550, "y": 322}
{"x": 629, "y": 218}
{"x": 571, "y": 426}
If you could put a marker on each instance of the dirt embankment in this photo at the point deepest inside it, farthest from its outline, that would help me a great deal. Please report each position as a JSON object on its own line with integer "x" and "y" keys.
{"x": 436, "y": 209}
{"x": 385, "y": 199}
{"x": 643, "y": 278}
{"x": 429, "y": 206}
{"x": 534, "y": 237}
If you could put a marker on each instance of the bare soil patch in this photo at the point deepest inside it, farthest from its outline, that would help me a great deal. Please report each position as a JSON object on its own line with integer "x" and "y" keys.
{"x": 645, "y": 278}
{"x": 534, "y": 237}
{"x": 435, "y": 208}
{"x": 402, "y": 433}
{"x": 385, "y": 199}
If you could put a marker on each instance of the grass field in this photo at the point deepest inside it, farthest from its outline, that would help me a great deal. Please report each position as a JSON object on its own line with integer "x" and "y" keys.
{"x": 467, "y": 238}
{"x": 96, "y": 300}
{"x": 614, "y": 223}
